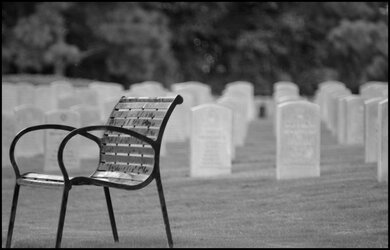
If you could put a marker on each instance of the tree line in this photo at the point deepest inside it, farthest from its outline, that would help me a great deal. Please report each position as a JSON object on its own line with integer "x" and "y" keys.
{"x": 210, "y": 42}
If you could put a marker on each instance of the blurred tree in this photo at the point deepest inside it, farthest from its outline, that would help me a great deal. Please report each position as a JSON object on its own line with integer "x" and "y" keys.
{"x": 211, "y": 42}
{"x": 137, "y": 41}
{"x": 360, "y": 45}
{"x": 38, "y": 40}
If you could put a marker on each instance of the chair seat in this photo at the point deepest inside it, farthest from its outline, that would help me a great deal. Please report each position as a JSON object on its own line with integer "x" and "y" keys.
{"x": 35, "y": 179}
{"x": 105, "y": 182}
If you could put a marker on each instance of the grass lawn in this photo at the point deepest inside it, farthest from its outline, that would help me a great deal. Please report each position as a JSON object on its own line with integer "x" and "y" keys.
{"x": 345, "y": 207}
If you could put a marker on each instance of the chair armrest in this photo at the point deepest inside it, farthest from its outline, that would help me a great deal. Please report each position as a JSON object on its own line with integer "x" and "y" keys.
{"x": 40, "y": 127}
{"x": 92, "y": 128}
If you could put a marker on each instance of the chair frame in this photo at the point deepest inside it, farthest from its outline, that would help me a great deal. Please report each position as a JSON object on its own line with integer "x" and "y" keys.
{"x": 67, "y": 182}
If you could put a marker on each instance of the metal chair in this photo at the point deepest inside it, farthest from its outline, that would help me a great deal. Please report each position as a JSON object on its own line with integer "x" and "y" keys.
{"x": 129, "y": 156}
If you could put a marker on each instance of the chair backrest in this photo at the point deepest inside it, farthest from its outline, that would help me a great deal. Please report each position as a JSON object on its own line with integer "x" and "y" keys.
{"x": 124, "y": 158}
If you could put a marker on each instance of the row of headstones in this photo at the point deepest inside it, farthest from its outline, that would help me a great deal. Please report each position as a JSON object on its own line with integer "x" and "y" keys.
{"x": 238, "y": 96}
{"x": 27, "y": 114}
{"x": 60, "y": 102}
{"x": 297, "y": 136}
{"x": 358, "y": 119}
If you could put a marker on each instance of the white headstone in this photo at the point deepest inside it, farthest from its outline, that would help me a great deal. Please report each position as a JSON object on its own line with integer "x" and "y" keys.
{"x": 30, "y": 144}
{"x": 373, "y": 89}
{"x": 89, "y": 115}
{"x": 211, "y": 140}
{"x": 201, "y": 91}
{"x": 44, "y": 98}
{"x": 26, "y": 93}
{"x": 61, "y": 88}
{"x": 179, "y": 124}
{"x": 371, "y": 129}
{"x": 342, "y": 119}
{"x": 87, "y": 96}
{"x": 324, "y": 89}
{"x": 240, "y": 124}
{"x": 108, "y": 106}
{"x": 106, "y": 92}
{"x": 9, "y": 96}
{"x": 355, "y": 120}
{"x": 148, "y": 88}
{"x": 298, "y": 140}
{"x": 245, "y": 90}
{"x": 66, "y": 102}
{"x": 53, "y": 138}
{"x": 383, "y": 142}
{"x": 284, "y": 91}
{"x": 332, "y": 107}
{"x": 8, "y": 133}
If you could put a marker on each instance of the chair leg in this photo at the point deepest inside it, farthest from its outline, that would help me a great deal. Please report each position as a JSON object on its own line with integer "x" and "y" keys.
{"x": 62, "y": 217}
{"x": 111, "y": 214}
{"x": 12, "y": 217}
{"x": 164, "y": 210}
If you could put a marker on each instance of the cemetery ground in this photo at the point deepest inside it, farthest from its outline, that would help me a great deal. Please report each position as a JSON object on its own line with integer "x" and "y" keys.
{"x": 345, "y": 207}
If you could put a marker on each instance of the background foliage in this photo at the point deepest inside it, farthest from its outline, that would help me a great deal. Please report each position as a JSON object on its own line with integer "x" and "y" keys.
{"x": 210, "y": 42}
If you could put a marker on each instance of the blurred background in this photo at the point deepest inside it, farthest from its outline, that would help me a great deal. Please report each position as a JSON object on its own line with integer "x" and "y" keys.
{"x": 211, "y": 42}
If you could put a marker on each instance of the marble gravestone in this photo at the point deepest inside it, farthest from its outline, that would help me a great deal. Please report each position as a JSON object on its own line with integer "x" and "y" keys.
{"x": 284, "y": 90}
{"x": 9, "y": 96}
{"x": 298, "y": 140}
{"x": 148, "y": 88}
{"x": 240, "y": 123}
{"x": 245, "y": 90}
{"x": 373, "y": 89}
{"x": 31, "y": 144}
{"x": 324, "y": 89}
{"x": 44, "y": 98}
{"x": 106, "y": 90}
{"x": 66, "y": 102}
{"x": 383, "y": 142}
{"x": 53, "y": 138}
{"x": 354, "y": 129}
{"x": 26, "y": 93}
{"x": 89, "y": 116}
{"x": 341, "y": 119}
{"x": 8, "y": 133}
{"x": 371, "y": 129}
{"x": 87, "y": 96}
{"x": 201, "y": 91}
{"x": 332, "y": 106}
{"x": 211, "y": 139}
{"x": 59, "y": 89}
{"x": 178, "y": 126}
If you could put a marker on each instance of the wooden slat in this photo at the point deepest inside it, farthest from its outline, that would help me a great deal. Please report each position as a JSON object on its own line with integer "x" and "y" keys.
{"x": 135, "y": 169}
{"x": 148, "y": 99}
{"x": 122, "y": 139}
{"x": 138, "y": 113}
{"x": 119, "y": 181}
{"x": 41, "y": 180}
{"x": 43, "y": 177}
{"x": 127, "y": 159}
{"x": 149, "y": 132}
{"x": 120, "y": 175}
{"x": 127, "y": 150}
{"x": 39, "y": 183}
{"x": 142, "y": 105}
{"x": 126, "y": 122}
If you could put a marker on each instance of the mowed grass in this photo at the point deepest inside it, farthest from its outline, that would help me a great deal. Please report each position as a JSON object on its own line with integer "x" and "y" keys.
{"x": 345, "y": 207}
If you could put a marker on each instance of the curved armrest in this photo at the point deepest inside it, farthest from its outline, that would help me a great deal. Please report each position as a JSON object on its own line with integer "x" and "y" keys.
{"x": 92, "y": 128}
{"x": 40, "y": 127}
